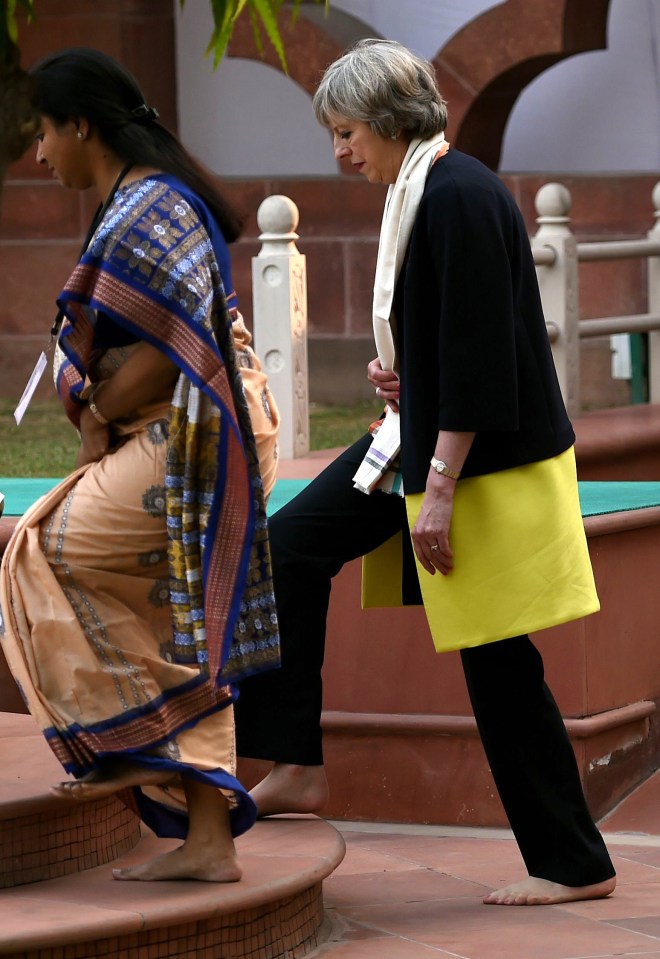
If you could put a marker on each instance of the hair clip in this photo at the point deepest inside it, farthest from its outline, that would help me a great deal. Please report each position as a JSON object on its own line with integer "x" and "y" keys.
{"x": 144, "y": 114}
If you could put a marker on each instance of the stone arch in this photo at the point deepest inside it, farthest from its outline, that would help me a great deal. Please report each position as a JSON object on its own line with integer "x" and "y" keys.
{"x": 481, "y": 70}
{"x": 485, "y": 66}
{"x": 311, "y": 43}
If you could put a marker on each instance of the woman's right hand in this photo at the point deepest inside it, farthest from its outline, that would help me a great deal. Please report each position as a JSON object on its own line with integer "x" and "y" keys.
{"x": 386, "y": 384}
{"x": 95, "y": 439}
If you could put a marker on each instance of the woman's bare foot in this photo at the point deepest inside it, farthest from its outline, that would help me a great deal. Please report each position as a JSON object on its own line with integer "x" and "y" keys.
{"x": 291, "y": 789}
{"x": 112, "y": 779}
{"x": 541, "y": 892}
{"x": 208, "y": 854}
{"x": 183, "y": 863}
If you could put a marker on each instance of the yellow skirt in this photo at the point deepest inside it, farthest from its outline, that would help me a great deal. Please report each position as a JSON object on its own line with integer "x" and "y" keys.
{"x": 520, "y": 554}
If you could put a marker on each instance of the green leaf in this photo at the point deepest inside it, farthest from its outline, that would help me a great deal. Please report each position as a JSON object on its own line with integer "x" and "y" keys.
{"x": 262, "y": 13}
{"x": 223, "y": 19}
{"x": 8, "y": 24}
{"x": 256, "y": 31}
{"x": 267, "y": 12}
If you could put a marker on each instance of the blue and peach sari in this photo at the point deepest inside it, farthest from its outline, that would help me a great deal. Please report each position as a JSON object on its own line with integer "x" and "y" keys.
{"x": 137, "y": 592}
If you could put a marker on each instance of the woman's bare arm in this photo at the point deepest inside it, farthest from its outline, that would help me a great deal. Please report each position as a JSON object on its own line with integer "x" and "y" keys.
{"x": 146, "y": 375}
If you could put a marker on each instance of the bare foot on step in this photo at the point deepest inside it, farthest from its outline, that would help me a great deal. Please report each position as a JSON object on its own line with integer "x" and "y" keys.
{"x": 208, "y": 853}
{"x": 291, "y": 789}
{"x": 541, "y": 892}
{"x": 183, "y": 863}
{"x": 112, "y": 779}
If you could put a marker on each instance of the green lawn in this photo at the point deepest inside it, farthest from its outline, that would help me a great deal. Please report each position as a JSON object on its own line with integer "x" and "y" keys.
{"x": 331, "y": 426}
{"x": 45, "y": 443}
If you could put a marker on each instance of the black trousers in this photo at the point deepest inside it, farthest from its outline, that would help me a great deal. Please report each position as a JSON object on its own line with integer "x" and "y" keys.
{"x": 278, "y": 713}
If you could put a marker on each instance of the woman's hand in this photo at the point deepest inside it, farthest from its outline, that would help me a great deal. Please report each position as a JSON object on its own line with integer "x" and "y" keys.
{"x": 430, "y": 534}
{"x": 95, "y": 439}
{"x": 385, "y": 382}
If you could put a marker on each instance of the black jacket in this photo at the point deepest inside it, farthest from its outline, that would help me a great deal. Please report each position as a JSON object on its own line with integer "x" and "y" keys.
{"x": 473, "y": 348}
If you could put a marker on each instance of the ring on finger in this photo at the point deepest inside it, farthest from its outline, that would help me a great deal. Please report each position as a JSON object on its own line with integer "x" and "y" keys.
{"x": 378, "y": 391}
{"x": 435, "y": 547}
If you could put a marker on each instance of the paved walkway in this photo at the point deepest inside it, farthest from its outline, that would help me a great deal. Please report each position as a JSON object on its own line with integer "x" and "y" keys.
{"x": 414, "y": 892}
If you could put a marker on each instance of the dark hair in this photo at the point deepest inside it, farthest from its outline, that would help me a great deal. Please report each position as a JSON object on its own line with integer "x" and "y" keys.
{"x": 85, "y": 83}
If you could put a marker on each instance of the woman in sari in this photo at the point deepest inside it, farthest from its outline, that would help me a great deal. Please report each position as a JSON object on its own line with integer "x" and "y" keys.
{"x": 138, "y": 591}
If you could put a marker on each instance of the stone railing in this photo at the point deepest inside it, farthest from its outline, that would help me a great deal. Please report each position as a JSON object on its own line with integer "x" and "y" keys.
{"x": 556, "y": 255}
{"x": 280, "y": 303}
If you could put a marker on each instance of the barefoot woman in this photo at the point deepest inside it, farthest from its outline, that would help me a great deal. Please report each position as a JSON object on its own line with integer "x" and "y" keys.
{"x": 138, "y": 591}
{"x": 464, "y": 355}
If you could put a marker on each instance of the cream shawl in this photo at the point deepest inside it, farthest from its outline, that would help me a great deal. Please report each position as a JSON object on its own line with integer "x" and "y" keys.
{"x": 401, "y": 205}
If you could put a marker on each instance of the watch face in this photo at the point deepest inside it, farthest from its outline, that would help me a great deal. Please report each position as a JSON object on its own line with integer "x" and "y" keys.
{"x": 441, "y": 467}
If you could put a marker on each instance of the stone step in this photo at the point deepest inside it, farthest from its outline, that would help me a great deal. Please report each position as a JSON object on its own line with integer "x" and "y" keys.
{"x": 43, "y": 837}
{"x": 619, "y": 444}
{"x": 61, "y": 902}
{"x": 274, "y": 912}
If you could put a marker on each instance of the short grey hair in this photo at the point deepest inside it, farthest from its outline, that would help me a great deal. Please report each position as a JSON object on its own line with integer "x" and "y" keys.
{"x": 386, "y": 85}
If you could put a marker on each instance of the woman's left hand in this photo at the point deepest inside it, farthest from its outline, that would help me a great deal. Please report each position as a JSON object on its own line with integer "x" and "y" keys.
{"x": 95, "y": 439}
{"x": 430, "y": 534}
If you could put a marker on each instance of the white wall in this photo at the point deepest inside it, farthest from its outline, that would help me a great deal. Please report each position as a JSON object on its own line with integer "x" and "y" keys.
{"x": 245, "y": 118}
{"x": 593, "y": 112}
{"x": 423, "y": 25}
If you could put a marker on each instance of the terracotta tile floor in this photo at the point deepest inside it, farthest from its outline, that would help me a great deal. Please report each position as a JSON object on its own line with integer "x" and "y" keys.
{"x": 414, "y": 892}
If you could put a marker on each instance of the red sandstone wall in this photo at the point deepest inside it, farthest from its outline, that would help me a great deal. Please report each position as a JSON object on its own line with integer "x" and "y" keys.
{"x": 339, "y": 222}
{"x": 42, "y": 225}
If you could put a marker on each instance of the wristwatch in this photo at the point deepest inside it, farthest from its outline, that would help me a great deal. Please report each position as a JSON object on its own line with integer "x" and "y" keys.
{"x": 441, "y": 467}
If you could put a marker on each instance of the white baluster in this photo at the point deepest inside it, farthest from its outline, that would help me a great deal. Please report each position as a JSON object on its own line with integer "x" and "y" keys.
{"x": 654, "y": 303}
{"x": 554, "y": 245}
{"x": 279, "y": 288}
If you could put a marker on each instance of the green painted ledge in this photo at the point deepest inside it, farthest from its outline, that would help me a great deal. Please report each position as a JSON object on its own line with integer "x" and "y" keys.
{"x": 596, "y": 498}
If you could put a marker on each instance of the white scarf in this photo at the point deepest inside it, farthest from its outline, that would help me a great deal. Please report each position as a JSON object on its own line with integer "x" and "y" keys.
{"x": 401, "y": 205}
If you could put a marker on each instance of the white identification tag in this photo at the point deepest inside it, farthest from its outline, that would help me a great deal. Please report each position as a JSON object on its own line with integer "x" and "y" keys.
{"x": 32, "y": 384}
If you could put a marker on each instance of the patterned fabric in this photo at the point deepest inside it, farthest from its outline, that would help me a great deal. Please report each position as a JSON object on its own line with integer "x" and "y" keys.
{"x": 139, "y": 589}
{"x": 264, "y": 414}
{"x": 88, "y": 632}
{"x": 150, "y": 267}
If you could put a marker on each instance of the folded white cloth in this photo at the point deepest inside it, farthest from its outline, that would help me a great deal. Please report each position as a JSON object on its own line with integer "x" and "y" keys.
{"x": 384, "y": 449}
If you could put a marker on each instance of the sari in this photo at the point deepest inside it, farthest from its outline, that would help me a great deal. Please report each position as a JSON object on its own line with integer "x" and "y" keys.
{"x": 138, "y": 591}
